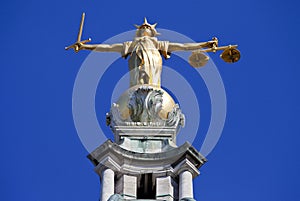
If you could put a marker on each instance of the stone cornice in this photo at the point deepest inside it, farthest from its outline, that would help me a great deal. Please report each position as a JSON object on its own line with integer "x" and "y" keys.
{"x": 173, "y": 161}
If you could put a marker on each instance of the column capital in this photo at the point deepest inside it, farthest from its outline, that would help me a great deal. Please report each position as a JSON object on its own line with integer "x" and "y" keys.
{"x": 107, "y": 163}
{"x": 186, "y": 165}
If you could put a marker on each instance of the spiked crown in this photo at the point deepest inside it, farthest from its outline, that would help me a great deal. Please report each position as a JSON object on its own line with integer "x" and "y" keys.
{"x": 146, "y": 24}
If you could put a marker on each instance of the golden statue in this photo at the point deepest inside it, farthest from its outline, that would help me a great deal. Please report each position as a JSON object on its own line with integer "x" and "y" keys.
{"x": 146, "y": 51}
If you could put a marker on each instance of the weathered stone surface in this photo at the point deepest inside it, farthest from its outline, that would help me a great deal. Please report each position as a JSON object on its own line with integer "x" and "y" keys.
{"x": 127, "y": 186}
{"x": 164, "y": 188}
{"x": 108, "y": 185}
{"x": 185, "y": 185}
{"x": 171, "y": 170}
{"x": 115, "y": 157}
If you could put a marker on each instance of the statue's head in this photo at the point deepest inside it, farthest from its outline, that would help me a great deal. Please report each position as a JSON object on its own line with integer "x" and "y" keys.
{"x": 146, "y": 29}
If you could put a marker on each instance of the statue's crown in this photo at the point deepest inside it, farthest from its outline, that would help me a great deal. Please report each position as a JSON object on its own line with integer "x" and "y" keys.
{"x": 146, "y": 24}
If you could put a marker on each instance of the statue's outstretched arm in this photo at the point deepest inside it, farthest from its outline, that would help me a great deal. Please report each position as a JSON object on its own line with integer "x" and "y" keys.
{"x": 118, "y": 47}
{"x": 192, "y": 46}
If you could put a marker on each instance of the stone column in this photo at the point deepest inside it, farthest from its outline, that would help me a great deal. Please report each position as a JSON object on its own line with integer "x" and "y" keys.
{"x": 164, "y": 189}
{"x": 108, "y": 184}
{"x": 127, "y": 186}
{"x": 185, "y": 185}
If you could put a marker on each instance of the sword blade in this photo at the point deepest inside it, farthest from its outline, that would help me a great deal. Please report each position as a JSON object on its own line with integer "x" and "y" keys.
{"x": 80, "y": 28}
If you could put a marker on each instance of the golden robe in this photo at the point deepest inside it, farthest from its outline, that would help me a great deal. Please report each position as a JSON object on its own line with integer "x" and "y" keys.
{"x": 145, "y": 63}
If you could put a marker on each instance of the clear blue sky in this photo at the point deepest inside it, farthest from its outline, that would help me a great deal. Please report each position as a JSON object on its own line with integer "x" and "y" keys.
{"x": 257, "y": 157}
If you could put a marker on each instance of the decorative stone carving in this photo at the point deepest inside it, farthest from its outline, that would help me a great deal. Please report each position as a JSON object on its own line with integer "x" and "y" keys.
{"x": 144, "y": 106}
{"x": 175, "y": 117}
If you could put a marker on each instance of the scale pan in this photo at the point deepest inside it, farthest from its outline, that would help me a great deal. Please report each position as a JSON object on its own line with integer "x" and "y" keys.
{"x": 198, "y": 59}
{"x": 231, "y": 55}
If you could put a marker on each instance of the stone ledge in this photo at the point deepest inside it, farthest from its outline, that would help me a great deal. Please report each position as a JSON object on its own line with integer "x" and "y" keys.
{"x": 133, "y": 163}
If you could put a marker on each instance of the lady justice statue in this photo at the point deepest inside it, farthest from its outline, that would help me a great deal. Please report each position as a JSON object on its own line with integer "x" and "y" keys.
{"x": 145, "y": 102}
{"x": 144, "y": 162}
{"x": 146, "y": 51}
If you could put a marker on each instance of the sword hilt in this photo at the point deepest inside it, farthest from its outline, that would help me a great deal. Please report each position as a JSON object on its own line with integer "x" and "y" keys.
{"x": 76, "y": 46}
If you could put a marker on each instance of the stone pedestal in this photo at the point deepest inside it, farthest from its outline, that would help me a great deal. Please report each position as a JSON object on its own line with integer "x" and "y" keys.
{"x": 145, "y": 163}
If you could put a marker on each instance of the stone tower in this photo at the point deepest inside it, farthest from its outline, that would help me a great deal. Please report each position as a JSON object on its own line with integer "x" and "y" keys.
{"x": 144, "y": 162}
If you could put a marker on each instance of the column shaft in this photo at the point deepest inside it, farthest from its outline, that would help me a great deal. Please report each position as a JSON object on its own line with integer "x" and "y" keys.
{"x": 108, "y": 184}
{"x": 185, "y": 185}
{"x": 164, "y": 189}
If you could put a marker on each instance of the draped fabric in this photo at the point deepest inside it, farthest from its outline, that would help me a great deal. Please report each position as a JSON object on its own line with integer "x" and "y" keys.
{"x": 145, "y": 63}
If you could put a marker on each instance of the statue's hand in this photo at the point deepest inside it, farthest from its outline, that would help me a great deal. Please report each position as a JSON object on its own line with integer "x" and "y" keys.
{"x": 79, "y": 45}
{"x": 214, "y": 43}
